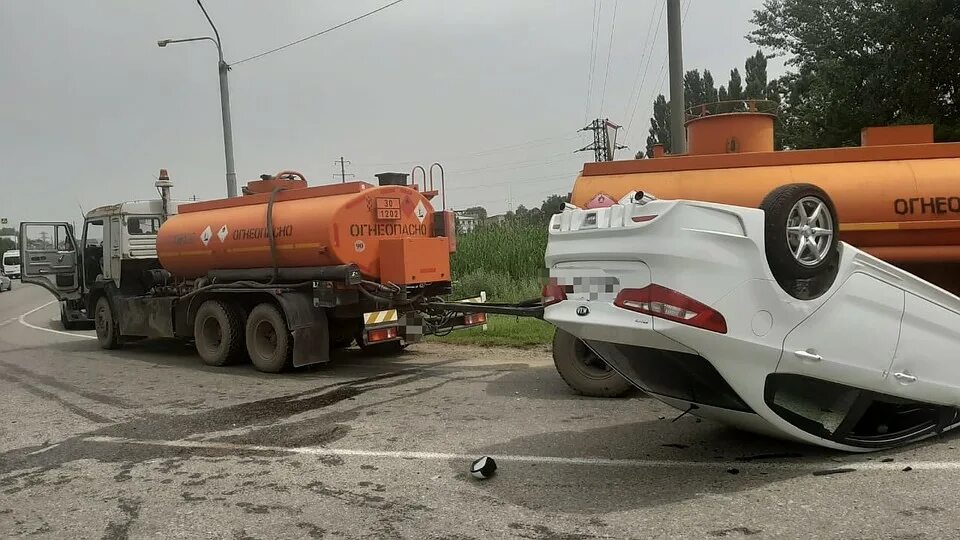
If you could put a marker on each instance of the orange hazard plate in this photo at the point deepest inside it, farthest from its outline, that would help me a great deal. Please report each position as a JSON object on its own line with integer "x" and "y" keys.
{"x": 388, "y": 208}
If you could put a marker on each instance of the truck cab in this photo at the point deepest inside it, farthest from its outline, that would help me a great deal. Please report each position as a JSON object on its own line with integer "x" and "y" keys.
{"x": 117, "y": 244}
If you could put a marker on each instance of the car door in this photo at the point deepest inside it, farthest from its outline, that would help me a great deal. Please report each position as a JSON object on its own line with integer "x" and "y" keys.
{"x": 851, "y": 339}
{"x": 926, "y": 366}
{"x": 48, "y": 257}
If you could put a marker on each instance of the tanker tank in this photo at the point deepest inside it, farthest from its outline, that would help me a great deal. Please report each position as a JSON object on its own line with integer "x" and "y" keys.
{"x": 350, "y": 223}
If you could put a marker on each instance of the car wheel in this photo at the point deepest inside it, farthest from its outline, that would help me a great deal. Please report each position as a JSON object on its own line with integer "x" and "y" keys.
{"x": 218, "y": 333}
{"x": 801, "y": 232}
{"x": 583, "y": 370}
{"x": 108, "y": 332}
{"x": 269, "y": 342}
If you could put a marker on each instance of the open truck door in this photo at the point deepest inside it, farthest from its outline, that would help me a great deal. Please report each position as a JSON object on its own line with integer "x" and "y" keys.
{"x": 49, "y": 258}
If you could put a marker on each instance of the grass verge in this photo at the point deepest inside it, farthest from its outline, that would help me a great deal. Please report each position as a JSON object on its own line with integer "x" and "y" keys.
{"x": 502, "y": 331}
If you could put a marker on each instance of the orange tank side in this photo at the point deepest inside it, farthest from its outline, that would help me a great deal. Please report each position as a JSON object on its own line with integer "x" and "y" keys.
{"x": 320, "y": 226}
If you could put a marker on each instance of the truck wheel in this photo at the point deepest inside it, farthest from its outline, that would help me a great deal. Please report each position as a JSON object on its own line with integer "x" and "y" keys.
{"x": 108, "y": 332}
{"x": 268, "y": 340}
{"x": 218, "y": 333}
{"x": 801, "y": 234}
{"x": 583, "y": 371}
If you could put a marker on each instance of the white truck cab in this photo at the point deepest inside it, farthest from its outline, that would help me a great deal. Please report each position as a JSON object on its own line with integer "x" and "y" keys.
{"x": 117, "y": 244}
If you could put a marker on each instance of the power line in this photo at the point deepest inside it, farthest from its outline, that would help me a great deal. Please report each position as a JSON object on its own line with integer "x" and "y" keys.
{"x": 662, "y": 76}
{"x": 597, "y": 9}
{"x": 642, "y": 66}
{"x": 506, "y": 148}
{"x": 301, "y": 40}
{"x": 613, "y": 29}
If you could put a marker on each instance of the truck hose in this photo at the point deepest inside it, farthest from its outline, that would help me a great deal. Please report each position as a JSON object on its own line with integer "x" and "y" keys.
{"x": 271, "y": 236}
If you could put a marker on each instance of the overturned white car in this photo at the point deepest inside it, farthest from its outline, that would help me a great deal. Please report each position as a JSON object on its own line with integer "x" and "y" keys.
{"x": 759, "y": 318}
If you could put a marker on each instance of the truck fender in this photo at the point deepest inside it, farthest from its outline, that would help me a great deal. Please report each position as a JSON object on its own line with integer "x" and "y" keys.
{"x": 309, "y": 327}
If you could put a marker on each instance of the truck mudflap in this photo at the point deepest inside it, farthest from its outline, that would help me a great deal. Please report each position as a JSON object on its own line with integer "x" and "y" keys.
{"x": 308, "y": 324}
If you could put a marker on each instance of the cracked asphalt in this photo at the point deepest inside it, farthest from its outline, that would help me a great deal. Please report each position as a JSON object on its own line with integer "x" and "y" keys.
{"x": 146, "y": 441}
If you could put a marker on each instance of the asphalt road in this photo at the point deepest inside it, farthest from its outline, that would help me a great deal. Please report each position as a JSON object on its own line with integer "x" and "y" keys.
{"x": 149, "y": 442}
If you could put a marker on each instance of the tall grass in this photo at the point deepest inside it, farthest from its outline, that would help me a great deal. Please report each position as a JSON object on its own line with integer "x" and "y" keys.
{"x": 505, "y": 260}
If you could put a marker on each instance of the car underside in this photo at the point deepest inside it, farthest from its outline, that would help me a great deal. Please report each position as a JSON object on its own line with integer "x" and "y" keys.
{"x": 758, "y": 317}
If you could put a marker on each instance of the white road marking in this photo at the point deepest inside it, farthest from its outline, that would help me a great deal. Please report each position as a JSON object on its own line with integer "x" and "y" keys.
{"x": 8, "y": 321}
{"x": 51, "y": 330}
{"x": 632, "y": 463}
{"x": 42, "y": 450}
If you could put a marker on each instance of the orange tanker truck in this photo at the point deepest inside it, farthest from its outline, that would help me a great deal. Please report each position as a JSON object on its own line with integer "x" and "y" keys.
{"x": 281, "y": 274}
{"x": 897, "y": 194}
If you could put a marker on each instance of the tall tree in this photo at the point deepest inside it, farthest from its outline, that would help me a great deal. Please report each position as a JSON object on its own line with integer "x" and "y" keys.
{"x": 755, "y": 69}
{"x": 659, "y": 126}
{"x": 722, "y": 94}
{"x": 693, "y": 88}
{"x": 735, "y": 86}
{"x": 857, "y": 63}
{"x": 710, "y": 93}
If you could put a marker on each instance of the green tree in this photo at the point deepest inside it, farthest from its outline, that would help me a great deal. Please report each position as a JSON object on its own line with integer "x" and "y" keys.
{"x": 553, "y": 205}
{"x": 856, "y": 63}
{"x": 722, "y": 94}
{"x": 659, "y": 127}
{"x": 8, "y": 231}
{"x": 710, "y": 93}
{"x": 735, "y": 86}
{"x": 693, "y": 93}
{"x": 756, "y": 75}
{"x": 7, "y": 244}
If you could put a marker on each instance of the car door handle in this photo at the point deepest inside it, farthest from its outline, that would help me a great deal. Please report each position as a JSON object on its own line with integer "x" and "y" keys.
{"x": 804, "y": 355}
{"x": 905, "y": 378}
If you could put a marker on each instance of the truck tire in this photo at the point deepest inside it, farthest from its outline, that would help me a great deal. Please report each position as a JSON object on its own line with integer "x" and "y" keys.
{"x": 800, "y": 232}
{"x": 108, "y": 331}
{"x": 583, "y": 371}
{"x": 218, "y": 333}
{"x": 269, "y": 342}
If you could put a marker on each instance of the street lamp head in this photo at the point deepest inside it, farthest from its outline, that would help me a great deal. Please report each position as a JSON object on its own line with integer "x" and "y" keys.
{"x": 163, "y": 42}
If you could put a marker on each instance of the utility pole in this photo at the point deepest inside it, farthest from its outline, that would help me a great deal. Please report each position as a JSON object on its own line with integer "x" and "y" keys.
{"x": 343, "y": 171}
{"x": 604, "y": 139}
{"x": 223, "y": 68}
{"x": 678, "y": 133}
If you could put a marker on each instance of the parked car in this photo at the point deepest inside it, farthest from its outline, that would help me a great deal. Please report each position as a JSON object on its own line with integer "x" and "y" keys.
{"x": 758, "y": 317}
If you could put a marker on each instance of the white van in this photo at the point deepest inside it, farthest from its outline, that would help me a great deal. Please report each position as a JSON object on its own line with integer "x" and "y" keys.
{"x": 11, "y": 263}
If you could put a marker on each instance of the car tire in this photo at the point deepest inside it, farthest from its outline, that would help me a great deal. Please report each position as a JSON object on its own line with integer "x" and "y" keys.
{"x": 105, "y": 323}
{"x": 801, "y": 233}
{"x": 268, "y": 339}
{"x": 583, "y": 371}
{"x": 218, "y": 333}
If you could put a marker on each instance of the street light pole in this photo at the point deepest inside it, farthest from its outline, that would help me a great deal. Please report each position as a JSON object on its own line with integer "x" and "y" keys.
{"x": 223, "y": 68}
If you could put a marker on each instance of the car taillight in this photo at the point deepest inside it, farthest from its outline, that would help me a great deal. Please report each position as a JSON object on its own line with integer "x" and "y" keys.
{"x": 664, "y": 303}
{"x": 553, "y": 294}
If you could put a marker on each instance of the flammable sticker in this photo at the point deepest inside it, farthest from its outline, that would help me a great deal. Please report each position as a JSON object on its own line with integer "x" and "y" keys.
{"x": 206, "y": 235}
{"x": 420, "y": 211}
{"x": 222, "y": 233}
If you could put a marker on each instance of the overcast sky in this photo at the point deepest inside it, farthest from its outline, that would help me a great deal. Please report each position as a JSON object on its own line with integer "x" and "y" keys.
{"x": 495, "y": 90}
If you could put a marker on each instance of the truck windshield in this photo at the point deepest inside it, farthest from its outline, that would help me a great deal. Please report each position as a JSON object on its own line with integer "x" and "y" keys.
{"x": 11, "y": 260}
{"x": 137, "y": 225}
